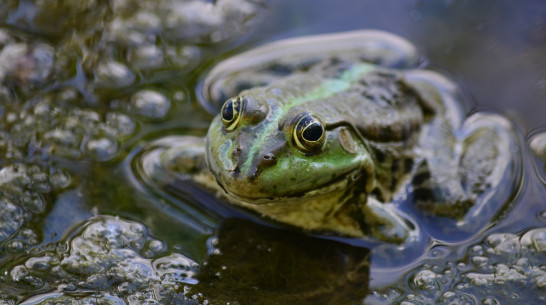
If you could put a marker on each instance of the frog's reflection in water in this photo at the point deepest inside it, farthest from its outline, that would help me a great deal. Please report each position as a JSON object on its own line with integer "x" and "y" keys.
{"x": 253, "y": 264}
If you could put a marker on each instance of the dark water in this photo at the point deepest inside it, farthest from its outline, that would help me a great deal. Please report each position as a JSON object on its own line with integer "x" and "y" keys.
{"x": 85, "y": 86}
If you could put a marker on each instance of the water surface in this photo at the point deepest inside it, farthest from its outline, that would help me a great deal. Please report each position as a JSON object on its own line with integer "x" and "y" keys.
{"x": 84, "y": 87}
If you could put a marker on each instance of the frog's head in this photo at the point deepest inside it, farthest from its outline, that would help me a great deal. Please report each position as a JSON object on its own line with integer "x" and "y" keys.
{"x": 262, "y": 149}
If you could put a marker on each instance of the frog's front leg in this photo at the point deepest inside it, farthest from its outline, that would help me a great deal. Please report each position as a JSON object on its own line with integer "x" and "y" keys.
{"x": 382, "y": 221}
{"x": 180, "y": 158}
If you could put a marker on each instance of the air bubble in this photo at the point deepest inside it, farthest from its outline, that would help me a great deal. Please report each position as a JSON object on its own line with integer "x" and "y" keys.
{"x": 102, "y": 149}
{"x": 120, "y": 124}
{"x": 11, "y": 218}
{"x": 426, "y": 280}
{"x": 114, "y": 74}
{"x": 490, "y": 301}
{"x": 538, "y": 145}
{"x": 150, "y": 104}
{"x": 59, "y": 179}
{"x": 146, "y": 57}
{"x": 536, "y": 239}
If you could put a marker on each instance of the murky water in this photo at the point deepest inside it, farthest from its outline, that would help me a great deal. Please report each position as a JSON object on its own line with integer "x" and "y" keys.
{"x": 84, "y": 87}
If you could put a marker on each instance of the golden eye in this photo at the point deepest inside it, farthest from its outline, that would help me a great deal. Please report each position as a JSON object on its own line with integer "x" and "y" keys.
{"x": 308, "y": 133}
{"x": 231, "y": 113}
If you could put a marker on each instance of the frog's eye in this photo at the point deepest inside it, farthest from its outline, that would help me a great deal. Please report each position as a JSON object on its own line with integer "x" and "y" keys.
{"x": 231, "y": 113}
{"x": 308, "y": 133}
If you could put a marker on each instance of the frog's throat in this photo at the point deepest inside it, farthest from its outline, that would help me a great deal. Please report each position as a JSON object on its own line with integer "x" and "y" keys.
{"x": 328, "y": 88}
{"x": 314, "y": 210}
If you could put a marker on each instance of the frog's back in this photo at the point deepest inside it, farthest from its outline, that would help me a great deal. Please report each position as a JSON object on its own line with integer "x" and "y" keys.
{"x": 375, "y": 101}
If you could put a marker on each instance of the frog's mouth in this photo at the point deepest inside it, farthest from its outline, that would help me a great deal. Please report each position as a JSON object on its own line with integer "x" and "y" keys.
{"x": 338, "y": 187}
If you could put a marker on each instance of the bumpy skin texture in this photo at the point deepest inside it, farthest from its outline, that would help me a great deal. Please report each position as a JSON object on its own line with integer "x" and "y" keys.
{"x": 386, "y": 129}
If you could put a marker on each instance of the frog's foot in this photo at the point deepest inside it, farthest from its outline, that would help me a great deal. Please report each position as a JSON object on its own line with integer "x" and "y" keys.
{"x": 384, "y": 223}
{"x": 490, "y": 164}
{"x": 175, "y": 157}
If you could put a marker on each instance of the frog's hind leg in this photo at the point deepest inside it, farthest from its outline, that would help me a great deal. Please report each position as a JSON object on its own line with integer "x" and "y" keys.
{"x": 471, "y": 175}
{"x": 490, "y": 163}
{"x": 437, "y": 187}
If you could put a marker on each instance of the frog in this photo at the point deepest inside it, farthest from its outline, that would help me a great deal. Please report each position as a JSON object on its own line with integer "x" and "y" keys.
{"x": 327, "y": 133}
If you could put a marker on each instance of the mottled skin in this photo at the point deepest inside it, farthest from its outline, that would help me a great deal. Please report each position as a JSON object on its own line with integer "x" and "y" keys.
{"x": 383, "y": 129}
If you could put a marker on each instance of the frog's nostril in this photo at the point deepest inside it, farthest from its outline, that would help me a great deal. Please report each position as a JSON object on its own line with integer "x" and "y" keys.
{"x": 268, "y": 159}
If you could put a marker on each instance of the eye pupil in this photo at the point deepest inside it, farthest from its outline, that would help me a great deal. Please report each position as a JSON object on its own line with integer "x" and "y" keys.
{"x": 308, "y": 134}
{"x": 227, "y": 112}
{"x": 313, "y": 132}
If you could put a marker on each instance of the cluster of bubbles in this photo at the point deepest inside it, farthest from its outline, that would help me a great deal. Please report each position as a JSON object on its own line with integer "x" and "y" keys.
{"x": 504, "y": 268}
{"x": 23, "y": 188}
{"x": 111, "y": 259}
{"x": 78, "y": 79}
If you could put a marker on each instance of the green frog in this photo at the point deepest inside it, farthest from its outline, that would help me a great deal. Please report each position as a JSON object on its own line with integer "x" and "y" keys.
{"x": 326, "y": 133}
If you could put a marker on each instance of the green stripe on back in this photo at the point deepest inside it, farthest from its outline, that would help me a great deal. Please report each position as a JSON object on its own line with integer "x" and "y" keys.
{"x": 333, "y": 86}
